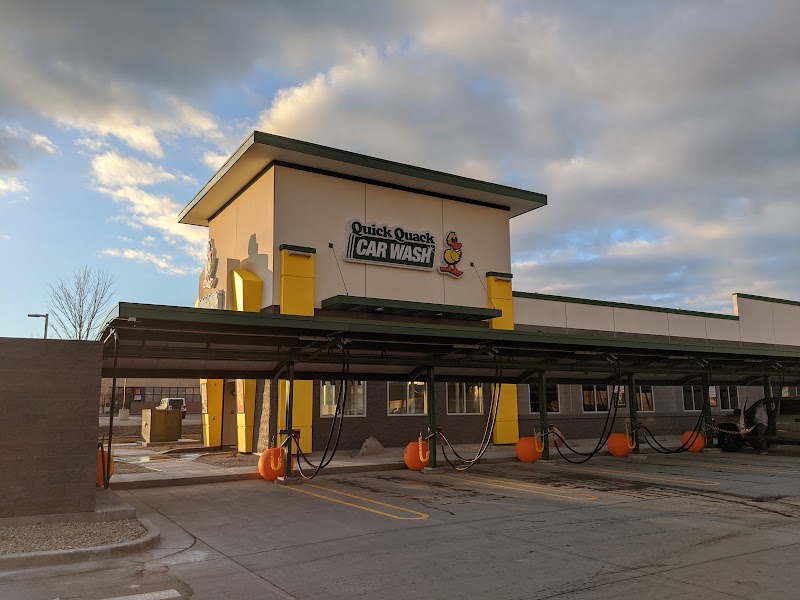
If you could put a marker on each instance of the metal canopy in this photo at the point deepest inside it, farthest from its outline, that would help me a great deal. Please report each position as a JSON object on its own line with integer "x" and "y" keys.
{"x": 168, "y": 341}
{"x": 405, "y": 308}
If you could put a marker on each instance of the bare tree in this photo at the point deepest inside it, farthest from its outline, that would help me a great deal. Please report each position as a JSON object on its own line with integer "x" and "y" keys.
{"x": 78, "y": 303}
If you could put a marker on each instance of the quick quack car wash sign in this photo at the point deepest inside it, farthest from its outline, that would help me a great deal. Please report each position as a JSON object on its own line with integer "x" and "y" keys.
{"x": 392, "y": 246}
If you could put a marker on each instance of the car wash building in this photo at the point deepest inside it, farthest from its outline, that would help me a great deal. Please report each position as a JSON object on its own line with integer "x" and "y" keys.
{"x": 392, "y": 285}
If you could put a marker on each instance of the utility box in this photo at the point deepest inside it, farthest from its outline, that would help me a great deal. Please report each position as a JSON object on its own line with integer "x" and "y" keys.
{"x": 161, "y": 425}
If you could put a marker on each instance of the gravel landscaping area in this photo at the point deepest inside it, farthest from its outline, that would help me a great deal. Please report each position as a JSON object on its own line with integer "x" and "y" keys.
{"x": 122, "y": 468}
{"x": 65, "y": 536}
{"x": 229, "y": 459}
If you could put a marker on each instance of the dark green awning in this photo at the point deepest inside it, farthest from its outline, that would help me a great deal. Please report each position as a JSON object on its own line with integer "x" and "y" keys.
{"x": 411, "y": 309}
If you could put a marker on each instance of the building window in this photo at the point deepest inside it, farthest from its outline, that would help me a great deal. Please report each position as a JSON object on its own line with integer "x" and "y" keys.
{"x": 464, "y": 399}
{"x": 355, "y": 404}
{"x": 551, "y": 393}
{"x": 407, "y": 397}
{"x": 728, "y": 397}
{"x": 693, "y": 397}
{"x": 783, "y": 391}
{"x": 155, "y": 394}
{"x": 644, "y": 398}
{"x": 595, "y": 398}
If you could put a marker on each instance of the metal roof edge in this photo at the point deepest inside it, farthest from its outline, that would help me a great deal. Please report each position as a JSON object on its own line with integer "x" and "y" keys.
{"x": 766, "y": 299}
{"x": 344, "y": 325}
{"x": 360, "y": 160}
{"x": 217, "y": 176}
{"x": 676, "y": 311}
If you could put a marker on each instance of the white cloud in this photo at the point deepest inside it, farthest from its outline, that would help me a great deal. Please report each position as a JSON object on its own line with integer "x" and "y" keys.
{"x": 666, "y": 135}
{"x": 214, "y": 160}
{"x": 11, "y": 185}
{"x": 163, "y": 262}
{"x": 18, "y": 145}
{"x": 112, "y": 169}
{"x": 41, "y": 142}
{"x": 161, "y": 213}
{"x": 92, "y": 144}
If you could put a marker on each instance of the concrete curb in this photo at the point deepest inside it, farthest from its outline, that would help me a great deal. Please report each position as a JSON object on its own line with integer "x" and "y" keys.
{"x": 29, "y": 560}
{"x": 220, "y": 478}
{"x": 333, "y": 470}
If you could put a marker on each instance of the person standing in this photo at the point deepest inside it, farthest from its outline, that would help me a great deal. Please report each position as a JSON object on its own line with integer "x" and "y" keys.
{"x": 761, "y": 419}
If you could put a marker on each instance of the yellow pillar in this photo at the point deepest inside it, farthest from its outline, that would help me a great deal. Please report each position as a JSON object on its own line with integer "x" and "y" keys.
{"x": 247, "y": 287}
{"x": 297, "y": 298}
{"x": 498, "y": 286}
{"x": 211, "y": 390}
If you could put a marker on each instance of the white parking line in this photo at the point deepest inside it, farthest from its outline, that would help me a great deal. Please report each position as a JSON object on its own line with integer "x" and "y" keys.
{"x": 162, "y": 595}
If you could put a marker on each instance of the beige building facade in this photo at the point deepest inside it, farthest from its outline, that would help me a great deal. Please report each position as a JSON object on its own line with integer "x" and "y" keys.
{"x": 300, "y": 229}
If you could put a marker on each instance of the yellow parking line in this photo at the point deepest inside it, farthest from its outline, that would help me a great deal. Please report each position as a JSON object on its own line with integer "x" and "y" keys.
{"x": 419, "y": 516}
{"x": 676, "y": 478}
{"x": 519, "y": 487}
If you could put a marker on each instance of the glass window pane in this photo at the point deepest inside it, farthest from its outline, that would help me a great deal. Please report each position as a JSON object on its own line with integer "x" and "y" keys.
{"x": 644, "y": 398}
{"x": 396, "y": 397}
{"x": 327, "y": 407}
{"x": 453, "y": 398}
{"x": 355, "y": 403}
{"x": 551, "y": 391}
{"x": 417, "y": 398}
{"x": 589, "y": 404}
{"x": 619, "y": 392}
{"x": 534, "y": 397}
{"x": 601, "y": 393}
{"x": 474, "y": 398}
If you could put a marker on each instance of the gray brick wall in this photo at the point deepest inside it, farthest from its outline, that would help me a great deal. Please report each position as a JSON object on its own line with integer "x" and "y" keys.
{"x": 49, "y": 398}
{"x": 395, "y": 431}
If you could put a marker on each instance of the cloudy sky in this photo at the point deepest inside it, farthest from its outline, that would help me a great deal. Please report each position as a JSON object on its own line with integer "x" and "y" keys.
{"x": 666, "y": 134}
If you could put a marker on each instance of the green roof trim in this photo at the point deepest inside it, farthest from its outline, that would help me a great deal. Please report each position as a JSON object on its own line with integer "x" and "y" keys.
{"x": 261, "y": 149}
{"x": 183, "y": 314}
{"x": 403, "y": 307}
{"x": 499, "y": 274}
{"x": 381, "y": 164}
{"x": 303, "y": 249}
{"x": 674, "y": 311}
{"x": 766, "y": 299}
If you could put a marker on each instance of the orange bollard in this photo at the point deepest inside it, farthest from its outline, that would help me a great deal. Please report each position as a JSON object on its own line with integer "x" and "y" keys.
{"x": 529, "y": 449}
{"x": 416, "y": 455}
{"x": 101, "y": 457}
{"x": 619, "y": 444}
{"x": 697, "y": 440}
{"x": 270, "y": 463}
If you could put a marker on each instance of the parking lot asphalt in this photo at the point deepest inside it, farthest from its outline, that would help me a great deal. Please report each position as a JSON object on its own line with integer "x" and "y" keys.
{"x": 666, "y": 526}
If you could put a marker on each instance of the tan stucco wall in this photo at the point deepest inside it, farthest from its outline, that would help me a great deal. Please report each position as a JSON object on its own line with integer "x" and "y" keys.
{"x": 243, "y": 237}
{"x": 768, "y": 322}
{"x": 314, "y": 210}
{"x": 760, "y": 321}
{"x": 593, "y": 317}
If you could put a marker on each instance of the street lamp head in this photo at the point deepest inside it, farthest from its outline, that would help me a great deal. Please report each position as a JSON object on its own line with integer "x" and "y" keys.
{"x": 46, "y": 317}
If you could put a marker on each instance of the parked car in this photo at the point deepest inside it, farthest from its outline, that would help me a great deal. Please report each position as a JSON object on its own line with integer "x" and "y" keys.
{"x": 784, "y": 424}
{"x": 173, "y": 404}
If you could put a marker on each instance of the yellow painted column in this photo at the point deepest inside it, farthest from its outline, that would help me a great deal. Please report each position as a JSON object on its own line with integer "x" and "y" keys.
{"x": 247, "y": 287}
{"x": 297, "y": 298}
{"x": 498, "y": 286}
{"x": 211, "y": 394}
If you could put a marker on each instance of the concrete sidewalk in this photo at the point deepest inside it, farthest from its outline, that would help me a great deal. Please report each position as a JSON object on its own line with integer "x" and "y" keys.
{"x": 180, "y": 467}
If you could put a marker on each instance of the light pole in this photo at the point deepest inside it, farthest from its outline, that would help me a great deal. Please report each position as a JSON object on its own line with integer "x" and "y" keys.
{"x": 46, "y": 318}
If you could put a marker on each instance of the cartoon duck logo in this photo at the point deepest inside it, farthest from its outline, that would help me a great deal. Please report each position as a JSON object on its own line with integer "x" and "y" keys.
{"x": 452, "y": 255}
